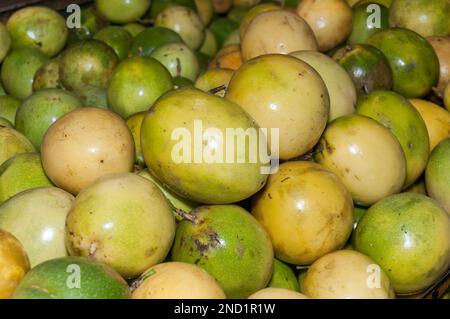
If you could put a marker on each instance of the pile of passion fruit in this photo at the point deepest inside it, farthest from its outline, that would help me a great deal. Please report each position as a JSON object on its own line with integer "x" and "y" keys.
{"x": 104, "y": 194}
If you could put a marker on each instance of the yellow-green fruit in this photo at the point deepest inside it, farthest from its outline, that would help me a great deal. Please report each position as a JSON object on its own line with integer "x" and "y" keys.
{"x": 176, "y": 280}
{"x": 436, "y": 118}
{"x": 253, "y": 12}
{"x": 340, "y": 86}
{"x": 14, "y": 264}
{"x": 347, "y": 274}
{"x": 283, "y": 277}
{"x": 447, "y": 97}
{"x": 285, "y": 93}
{"x": 13, "y": 143}
{"x": 122, "y": 11}
{"x": 134, "y": 123}
{"x": 277, "y": 293}
{"x": 36, "y": 217}
{"x": 306, "y": 210}
{"x": 5, "y": 41}
{"x": 121, "y": 220}
{"x": 365, "y": 155}
{"x": 8, "y": 107}
{"x": 213, "y": 80}
{"x": 398, "y": 115}
{"x": 441, "y": 46}
{"x": 205, "y": 10}
{"x": 209, "y": 46}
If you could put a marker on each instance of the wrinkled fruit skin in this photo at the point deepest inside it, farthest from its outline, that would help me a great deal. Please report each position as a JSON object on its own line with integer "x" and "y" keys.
{"x": 229, "y": 243}
{"x": 407, "y": 235}
{"x": 50, "y": 280}
{"x": 122, "y": 11}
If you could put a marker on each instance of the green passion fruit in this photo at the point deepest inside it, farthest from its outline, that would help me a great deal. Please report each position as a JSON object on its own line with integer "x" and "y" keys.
{"x": 414, "y": 64}
{"x": 152, "y": 38}
{"x": 178, "y": 59}
{"x": 368, "y": 19}
{"x": 283, "y": 277}
{"x": 122, "y": 11}
{"x": 47, "y": 76}
{"x": 407, "y": 235}
{"x": 230, "y": 244}
{"x": 90, "y": 23}
{"x": 72, "y": 278}
{"x": 5, "y": 42}
{"x": 160, "y": 5}
{"x": 117, "y": 38}
{"x": 134, "y": 123}
{"x": 93, "y": 96}
{"x": 8, "y": 107}
{"x": 13, "y": 142}
{"x": 221, "y": 28}
{"x": 134, "y": 28}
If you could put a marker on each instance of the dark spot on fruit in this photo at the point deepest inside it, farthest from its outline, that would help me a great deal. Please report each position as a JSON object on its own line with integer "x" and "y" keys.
{"x": 285, "y": 179}
{"x": 149, "y": 252}
{"x": 270, "y": 196}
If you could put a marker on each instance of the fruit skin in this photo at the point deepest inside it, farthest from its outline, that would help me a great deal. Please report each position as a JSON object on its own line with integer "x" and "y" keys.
{"x": 398, "y": 115}
{"x": 345, "y": 274}
{"x": 230, "y": 244}
{"x": 428, "y": 18}
{"x": 209, "y": 46}
{"x": 74, "y": 155}
{"x": 134, "y": 123}
{"x": 407, "y": 235}
{"x": 57, "y": 279}
{"x": 5, "y": 42}
{"x": 447, "y": 97}
{"x": 277, "y": 293}
{"x": 414, "y": 64}
{"x": 122, "y": 11}
{"x": 340, "y": 86}
{"x": 38, "y": 27}
{"x": 121, "y": 220}
{"x": 47, "y": 76}
{"x": 175, "y": 200}
{"x": 222, "y": 28}
{"x": 212, "y": 182}
{"x": 37, "y": 217}
{"x": 175, "y": 280}
{"x": 367, "y": 66}
{"x": 306, "y": 210}
{"x": 89, "y": 62}
{"x": 378, "y": 166}
{"x": 229, "y": 57}
{"x": 117, "y": 38}
{"x": 441, "y": 46}
{"x": 13, "y": 143}
{"x": 18, "y": 71}
{"x": 94, "y": 96}
{"x": 253, "y": 12}
{"x": 178, "y": 59}
{"x": 4, "y": 122}
{"x": 437, "y": 174}
{"x": 180, "y": 82}
{"x": 42, "y": 109}
{"x": 213, "y": 79}
{"x": 134, "y": 28}
{"x": 91, "y": 22}
{"x": 185, "y": 22}
{"x": 283, "y": 277}
{"x": 330, "y": 20}
{"x": 8, "y": 107}
{"x": 14, "y": 264}
{"x": 152, "y": 38}
{"x": 136, "y": 84}
{"x": 21, "y": 172}
{"x": 277, "y": 31}
{"x": 283, "y": 92}
{"x": 436, "y": 119}
{"x": 365, "y": 18}
{"x": 160, "y": 5}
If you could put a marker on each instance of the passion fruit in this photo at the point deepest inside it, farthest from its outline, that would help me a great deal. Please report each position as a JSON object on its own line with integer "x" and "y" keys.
{"x": 13, "y": 143}
{"x": 213, "y": 80}
{"x": 134, "y": 123}
{"x": 122, "y": 11}
{"x": 117, "y": 38}
{"x": 441, "y": 46}
{"x": 283, "y": 277}
{"x": 252, "y": 13}
{"x": 367, "y": 20}
{"x": 178, "y": 59}
{"x": 47, "y": 76}
{"x": 5, "y": 42}
{"x": 8, "y": 107}
{"x": 152, "y": 38}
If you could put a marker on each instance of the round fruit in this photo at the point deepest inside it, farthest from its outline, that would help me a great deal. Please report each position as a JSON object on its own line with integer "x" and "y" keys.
{"x": 230, "y": 244}
{"x": 21, "y": 172}
{"x": 367, "y": 66}
{"x": 252, "y": 13}
{"x": 134, "y": 123}
{"x": 229, "y": 57}
{"x": 347, "y": 274}
{"x": 134, "y": 28}
{"x": 93, "y": 96}
{"x": 136, "y": 84}
{"x": 436, "y": 119}
{"x": 208, "y": 170}
{"x": 428, "y": 18}
{"x": 437, "y": 174}
{"x": 42, "y": 109}
{"x": 365, "y": 155}
{"x": 277, "y": 293}
{"x": 38, "y": 27}
{"x": 47, "y": 76}
{"x": 122, "y": 11}
{"x": 117, "y": 38}
{"x": 185, "y": 22}
{"x": 398, "y": 115}
{"x": 177, "y": 201}
{"x": 175, "y": 280}
{"x": 8, "y": 107}
{"x": 37, "y": 217}
{"x": 407, "y": 235}
{"x": 18, "y": 71}
{"x": 283, "y": 277}
{"x": 233, "y": 38}
{"x": 88, "y": 62}
{"x": 209, "y": 46}
{"x": 160, "y": 5}
{"x": 90, "y": 23}
{"x": 213, "y": 80}
{"x": 277, "y": 31}
{"x": 368, "y": 19}
{"x": 285, "y": 93}
{"x": 441, "y": 46}
{"x": 72, "y": 278}
{"x": 205, "y": 10}
{"x": 84, "y": 145}
{"x": 414, "y": 63}
{"x": 180, "y": 82}
{"x": 178, "y": 59}
{"x": 152, "y": 38}
{"x": 222, "y": 28}
{"x": 121, "y": 220}
{"x": 13, "y": 143}
{"x": 340, "y": 86}
{"x": 5, "y": 42}
{"x": 306, "y": 210}
{"x": 330, "y": 20}
{"x": 14, "y": 264}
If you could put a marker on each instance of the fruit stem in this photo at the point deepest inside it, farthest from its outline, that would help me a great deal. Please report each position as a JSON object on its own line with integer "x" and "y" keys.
{"x": 182, "y": 215}
{"x": 218, "y": 89}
